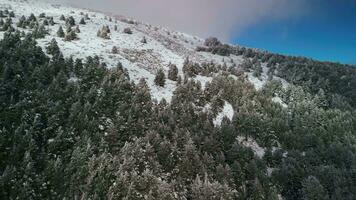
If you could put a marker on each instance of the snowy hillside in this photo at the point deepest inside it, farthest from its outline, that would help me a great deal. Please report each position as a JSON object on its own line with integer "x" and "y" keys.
{"x": 141, "y": 60}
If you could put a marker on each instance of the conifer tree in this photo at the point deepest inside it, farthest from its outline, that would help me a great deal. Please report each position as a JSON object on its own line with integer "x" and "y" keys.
{"x": 160, "y": 78}
{"x": 173, "y": 72}
{"x": 60, "y": 32}
{"x": 62, "y": 18}
{"x": 114, "y": 50}
{"x": 82, "y": 21}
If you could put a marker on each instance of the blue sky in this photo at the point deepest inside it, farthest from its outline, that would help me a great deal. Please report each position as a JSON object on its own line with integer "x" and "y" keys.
{"x": 326, "y": 32}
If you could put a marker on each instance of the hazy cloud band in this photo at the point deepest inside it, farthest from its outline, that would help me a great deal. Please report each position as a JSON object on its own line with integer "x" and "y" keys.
{"x": 220, "y": 18}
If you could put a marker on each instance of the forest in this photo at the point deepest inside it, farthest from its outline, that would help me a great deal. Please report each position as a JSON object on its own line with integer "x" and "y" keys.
{"x": 74, "y": 129}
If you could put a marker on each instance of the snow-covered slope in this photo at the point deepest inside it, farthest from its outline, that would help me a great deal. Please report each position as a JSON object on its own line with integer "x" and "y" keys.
{"x": 142, "y": 60}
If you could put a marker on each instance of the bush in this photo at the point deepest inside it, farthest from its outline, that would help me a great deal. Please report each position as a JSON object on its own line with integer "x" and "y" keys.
{"x": 127, "y": 31}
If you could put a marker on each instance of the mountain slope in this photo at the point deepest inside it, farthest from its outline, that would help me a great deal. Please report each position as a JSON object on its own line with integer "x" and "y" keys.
{"x": 226, "y": 126}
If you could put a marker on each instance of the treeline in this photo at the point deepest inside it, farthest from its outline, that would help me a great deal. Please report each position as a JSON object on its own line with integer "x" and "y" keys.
{"x": 337, "y": 80}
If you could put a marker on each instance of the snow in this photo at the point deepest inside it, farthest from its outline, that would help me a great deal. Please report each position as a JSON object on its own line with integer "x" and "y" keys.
{"x": 251, "y": 143}
{"x": 203, "y": 80}
{"x": 163, "y": 46}
{"x": 279, "y": 101}
{"x": 227, "y": 111}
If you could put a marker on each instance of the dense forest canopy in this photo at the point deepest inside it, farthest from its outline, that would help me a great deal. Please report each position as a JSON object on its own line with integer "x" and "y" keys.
{"x": 74, "y": 129}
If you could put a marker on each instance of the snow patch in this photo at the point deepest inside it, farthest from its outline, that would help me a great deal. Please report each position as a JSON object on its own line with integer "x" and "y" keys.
{"x": 228, "y": 111}
{"x": 251, "y": 143}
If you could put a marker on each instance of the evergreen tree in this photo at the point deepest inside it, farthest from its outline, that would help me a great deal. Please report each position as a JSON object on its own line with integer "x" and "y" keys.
{"x": 60, "y": 32}
{"x": 160, "y": 78}
{"x": 313, "y": 190}
{"x": 53, "y": 48}
{"x": 82, "y": 21}
{"x": 62, "y": 18}
{"x": 173, "y": 72}
{"x": 144, "y": 41}
{"x": 114, "y": 50}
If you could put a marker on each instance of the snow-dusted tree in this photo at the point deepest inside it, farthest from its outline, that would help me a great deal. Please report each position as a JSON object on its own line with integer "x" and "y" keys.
{"x": 22, "y": 22}
{"x": 60, "y": 32}
{"x": 40, "y": 31}
{"x": 114, "y": 50}
{"x": 115, "y": 28}
{"x": 32, "y": 18}
{"x": 2, "y": 14}
{"x": 45, "y": 22}
{"x": 212, "y": 42}
{"x": 51, "y": 21}
{"x": 77, "y": 30}
{"x": 104, "y": 32}
{"x": 53, "y": 48}
{"x": 313, "y": 190}
{"x": 205, "y": 189}
{"x": 1, "y": 23}
{"x": 257, "y": 69}
{"x": 12, "y": 14}
{"x": 173, "y": 72}
{"x": 127, "y": 31}
{"x": 70, "y": 21}
{"x": 62, "y": 18}
{"x": 144, "y": 41}
{"x": 70, "y": 36}
{"x": 160, "y": 78}
{"x": 179, "y": 80}
{"x": 82, "y": 21}
{"x": 42, "y": 15}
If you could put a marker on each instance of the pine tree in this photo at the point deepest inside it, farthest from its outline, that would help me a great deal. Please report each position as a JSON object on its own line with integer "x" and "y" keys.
{"x": 313, "y": 190}
{"x": 127, "y": 31}
{"x": 104, "y": 32}
{"x": 62, "y": 18}
{"x": 77, "y": 30}
{"x": 22, "y": 22}
{"x": 144, "y": 41}
{"x": 53, "y": 48}
{"x": 160, "y": 78}
{"x": 114, "y": 50}
{"x": 173, "y": 72}
{"x": 42, "y": 15}
{"x": 45, "y": 22}
{"x": 51, "y": 21}
{"x": 12, "y": 14}
{"x": 60, "y": 32}
{"x": 70, "y": 36}
{"x": 70, "y": 21}
{"x": 82, "y": 21}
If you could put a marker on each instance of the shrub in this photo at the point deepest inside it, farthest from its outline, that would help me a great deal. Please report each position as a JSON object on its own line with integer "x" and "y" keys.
{"x": 127, "y": 31}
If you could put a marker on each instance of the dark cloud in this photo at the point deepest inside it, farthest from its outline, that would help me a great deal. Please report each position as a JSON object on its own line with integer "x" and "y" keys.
{"x": 220, "y": 18}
